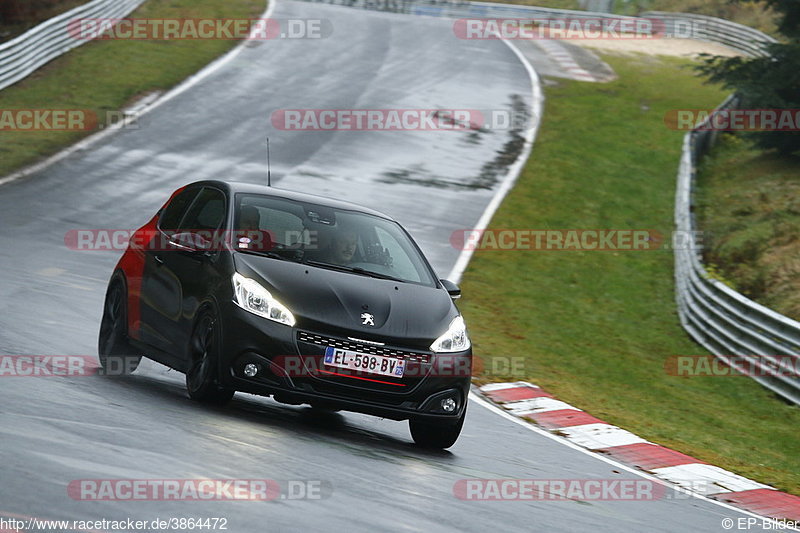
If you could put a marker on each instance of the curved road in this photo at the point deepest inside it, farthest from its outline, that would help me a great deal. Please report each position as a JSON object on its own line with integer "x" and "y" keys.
{"x": 53, "y": 431}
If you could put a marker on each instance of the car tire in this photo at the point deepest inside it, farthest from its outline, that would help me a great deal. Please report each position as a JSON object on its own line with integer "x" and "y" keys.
{"x": 202, "y": 376}
{"x": 436, "y": 435}
{"x": 113, "y": 349}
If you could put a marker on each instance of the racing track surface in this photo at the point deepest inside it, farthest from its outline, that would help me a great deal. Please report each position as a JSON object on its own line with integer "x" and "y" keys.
{"x": 55, "y": 430}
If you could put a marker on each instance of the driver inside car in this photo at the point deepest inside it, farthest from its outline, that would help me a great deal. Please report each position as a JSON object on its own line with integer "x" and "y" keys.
{"x": 343, "y": 247}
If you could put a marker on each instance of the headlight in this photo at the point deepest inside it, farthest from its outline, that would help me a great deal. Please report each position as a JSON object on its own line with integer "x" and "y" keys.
{"x": 251, "y": 296}
{"x": 455, "y": 339}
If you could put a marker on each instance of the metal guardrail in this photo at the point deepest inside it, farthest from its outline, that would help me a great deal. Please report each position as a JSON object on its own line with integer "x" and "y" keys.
{"x": 744, "y": 39}
{"x": 22, "y": 55}
{"x": 739, "y": 331}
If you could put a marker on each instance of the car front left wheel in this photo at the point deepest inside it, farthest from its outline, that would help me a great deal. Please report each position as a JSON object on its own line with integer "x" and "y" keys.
{"x": 202, "y": 376}
{"x": 113, "y": 349}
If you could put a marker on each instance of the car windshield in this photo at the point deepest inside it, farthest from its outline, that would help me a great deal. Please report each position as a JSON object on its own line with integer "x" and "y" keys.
{"x": 325, "y": 237}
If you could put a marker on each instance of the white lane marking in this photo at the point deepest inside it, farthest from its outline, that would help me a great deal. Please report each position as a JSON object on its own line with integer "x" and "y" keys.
{"x": 537, "y": 405}
{"x": 169, "y": 95}
{"x": 500, "y": 386}
{"x": 707, "y": 479}
{"x": 621, "y": 466}
{"x": 599, "y": 436}
{"x": 514, "y": 170}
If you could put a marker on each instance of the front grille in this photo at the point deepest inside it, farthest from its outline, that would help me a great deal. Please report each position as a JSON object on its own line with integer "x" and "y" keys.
{"x": 345, "y": 344}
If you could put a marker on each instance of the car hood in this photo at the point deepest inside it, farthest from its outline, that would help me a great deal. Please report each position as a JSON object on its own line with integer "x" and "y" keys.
{"x": 328, "y": 301}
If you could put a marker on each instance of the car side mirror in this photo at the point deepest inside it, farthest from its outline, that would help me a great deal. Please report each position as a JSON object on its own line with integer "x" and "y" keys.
{"x": 190, "y": 242}
{"x": 452, "y": 289}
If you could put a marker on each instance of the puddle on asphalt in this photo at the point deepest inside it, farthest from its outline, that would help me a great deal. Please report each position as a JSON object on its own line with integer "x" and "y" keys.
{"x": 490, "y": 173}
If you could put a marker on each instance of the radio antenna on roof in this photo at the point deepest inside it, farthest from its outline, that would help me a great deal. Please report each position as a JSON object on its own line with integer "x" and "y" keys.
{"x": 269, "y": 173}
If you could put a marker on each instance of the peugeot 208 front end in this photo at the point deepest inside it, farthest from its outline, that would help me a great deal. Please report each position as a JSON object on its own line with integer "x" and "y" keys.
{"x": 310, "y": 300}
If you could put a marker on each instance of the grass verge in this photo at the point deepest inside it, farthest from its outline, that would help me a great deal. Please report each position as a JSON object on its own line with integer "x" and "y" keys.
{"x": 103, "y": 76}
{"x": 596, "y": 328}
{"x": 749, "y": 209}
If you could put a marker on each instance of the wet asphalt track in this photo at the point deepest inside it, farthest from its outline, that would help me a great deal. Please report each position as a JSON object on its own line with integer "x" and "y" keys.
{"x": 54, "y": 430}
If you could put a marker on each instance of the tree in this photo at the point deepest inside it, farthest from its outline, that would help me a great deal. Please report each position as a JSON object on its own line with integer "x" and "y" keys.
{"x": 770, "y": 82}
{"x": 789, "y": 24}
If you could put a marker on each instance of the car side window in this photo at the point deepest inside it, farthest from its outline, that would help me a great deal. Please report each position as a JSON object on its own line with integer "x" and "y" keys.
{"x": 173, "y": 213}
{"x": 399, "y": 259}
{"x": 206, "y": 213}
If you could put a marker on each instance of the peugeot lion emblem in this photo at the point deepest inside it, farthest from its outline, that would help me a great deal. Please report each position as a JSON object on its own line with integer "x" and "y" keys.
{"x": 367, "y": 319}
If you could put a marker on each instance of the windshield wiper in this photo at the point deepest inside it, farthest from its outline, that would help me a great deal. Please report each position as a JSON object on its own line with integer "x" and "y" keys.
{"x": 271, "y": 255}
{"x": 354, "y": 270}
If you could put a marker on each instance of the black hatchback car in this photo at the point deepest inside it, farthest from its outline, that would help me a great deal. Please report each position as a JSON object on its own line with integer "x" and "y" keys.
{"x": 312, "y": 301}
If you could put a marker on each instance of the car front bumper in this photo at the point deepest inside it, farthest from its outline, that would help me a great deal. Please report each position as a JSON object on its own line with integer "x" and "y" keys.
{"x": 291, "y": 370}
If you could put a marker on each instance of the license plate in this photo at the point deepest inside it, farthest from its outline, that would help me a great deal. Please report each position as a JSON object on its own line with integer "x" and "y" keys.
{"x": 374, "y": 364}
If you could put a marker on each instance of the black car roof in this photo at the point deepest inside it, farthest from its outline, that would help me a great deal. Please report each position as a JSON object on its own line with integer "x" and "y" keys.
{"x": 234, "y": 187}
